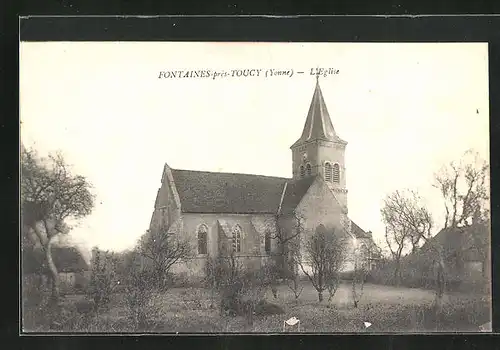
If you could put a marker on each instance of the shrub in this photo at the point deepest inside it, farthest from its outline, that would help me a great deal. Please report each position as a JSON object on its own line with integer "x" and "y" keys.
{"x": 84, "y": 307}
{"x": 37, "y": 313}
{"x": 240, "y": 289}
{"x": 180, "y": 280}
{"x": 264, "y": 308}
{"x": 271, "y": 276}
{"x": 33, "y": 290}
{"x": 142, "y": 308}
{"x": 103, "y": 280}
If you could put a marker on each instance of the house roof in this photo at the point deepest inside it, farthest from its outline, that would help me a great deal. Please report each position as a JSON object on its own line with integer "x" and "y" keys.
{"x": 472, "y": 242}
{"x": 318, "y": 124}
{"x": 210, "y": 192}
{"x": 66, "y": 259}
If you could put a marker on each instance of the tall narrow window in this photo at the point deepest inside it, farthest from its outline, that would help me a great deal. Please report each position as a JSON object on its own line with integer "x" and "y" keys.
{"x": 328, "y": 172}
{"x": 302, "y": 171}
{"x": 267, "y": 243}
{"x": 336, "y": 173}
{"x": 202, "y": 239}
{"x": 309, "y": 169}
{"x": 237, "y": 239}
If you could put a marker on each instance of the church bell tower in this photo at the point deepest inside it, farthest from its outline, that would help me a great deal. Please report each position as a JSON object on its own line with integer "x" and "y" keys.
{"x": 320, "y": 151}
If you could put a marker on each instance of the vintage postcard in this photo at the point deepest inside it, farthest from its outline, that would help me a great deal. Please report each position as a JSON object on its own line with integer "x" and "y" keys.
{"x": 230, "y": 187}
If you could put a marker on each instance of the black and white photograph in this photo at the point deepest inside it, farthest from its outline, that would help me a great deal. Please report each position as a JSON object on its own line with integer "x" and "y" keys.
{"x": 254, "y": 187}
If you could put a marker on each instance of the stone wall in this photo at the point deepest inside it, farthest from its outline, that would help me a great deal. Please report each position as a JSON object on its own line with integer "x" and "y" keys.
{"x": 219, "y": 241}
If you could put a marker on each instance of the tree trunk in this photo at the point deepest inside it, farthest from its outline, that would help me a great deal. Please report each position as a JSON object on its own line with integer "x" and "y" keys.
{"x": 320, "y": 296}
{"x": 54, "y": 275}
{"x": 396, "y": 274}
{"x": 440, "y": 285}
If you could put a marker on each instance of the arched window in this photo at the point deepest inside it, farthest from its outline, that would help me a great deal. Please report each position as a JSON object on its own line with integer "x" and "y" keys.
{"x": 202, "y": 239}
{"x": 237, "y": 239}
{"x": 302, "y": 171}
{"x": 308, "y": 169}
{"x": 267, "y": 243}
{"x": 328, "y": 172}
{"x": 336, "y": 173}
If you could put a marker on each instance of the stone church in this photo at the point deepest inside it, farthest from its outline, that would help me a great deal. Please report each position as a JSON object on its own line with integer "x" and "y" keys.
{"x": 221, "y": 211}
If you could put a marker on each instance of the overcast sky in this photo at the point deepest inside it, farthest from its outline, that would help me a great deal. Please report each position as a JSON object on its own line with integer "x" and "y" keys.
{"x": 405, "y": 109}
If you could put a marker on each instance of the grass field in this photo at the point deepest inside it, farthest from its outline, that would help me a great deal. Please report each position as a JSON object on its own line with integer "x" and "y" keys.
{"x": 387, "y": 308}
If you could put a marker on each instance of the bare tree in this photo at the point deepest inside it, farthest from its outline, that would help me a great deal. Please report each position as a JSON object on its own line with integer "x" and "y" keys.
{"x": 359, "y": 275}
{"x": 51, "y": 194}
{"x": 162, "y": 251}
{"x": 286, "y": 239}
{"x": 464, "y": 188}
{"x": 292, "y": 275}
{"x": 337, "y": 254}
{"x": 407, "y": 224}
{"x": 414, "y": 221}
{"x": 325, "y": 254}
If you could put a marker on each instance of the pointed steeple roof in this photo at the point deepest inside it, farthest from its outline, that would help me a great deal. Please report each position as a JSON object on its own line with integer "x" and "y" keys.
{"x": 318, "y": 124}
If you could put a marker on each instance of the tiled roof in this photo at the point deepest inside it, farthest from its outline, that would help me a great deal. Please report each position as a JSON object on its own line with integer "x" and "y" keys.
{"x": 295, "y": 191}
{"x": 210, "y": 192}
{"x": 359, "y": 233}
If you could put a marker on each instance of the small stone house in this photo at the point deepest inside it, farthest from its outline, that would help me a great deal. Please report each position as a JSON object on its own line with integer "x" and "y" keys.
{"x": 74, "y": 271}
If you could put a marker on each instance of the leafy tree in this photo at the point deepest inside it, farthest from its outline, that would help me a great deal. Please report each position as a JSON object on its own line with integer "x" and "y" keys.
{"x": 51, "y": 194}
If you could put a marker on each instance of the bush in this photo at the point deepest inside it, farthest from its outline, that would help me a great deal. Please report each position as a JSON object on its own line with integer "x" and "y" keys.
{"x": 142, "y": 308}
{"x": 413, "y": 276}
{"x": 103, "y": 281}
{"x": 35, "y": 301}
{"x": 264, "y": 308}
{"x": 180, "y": 280}
{"x": 33, "y": 290}
{"x": 240, "y": 289}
